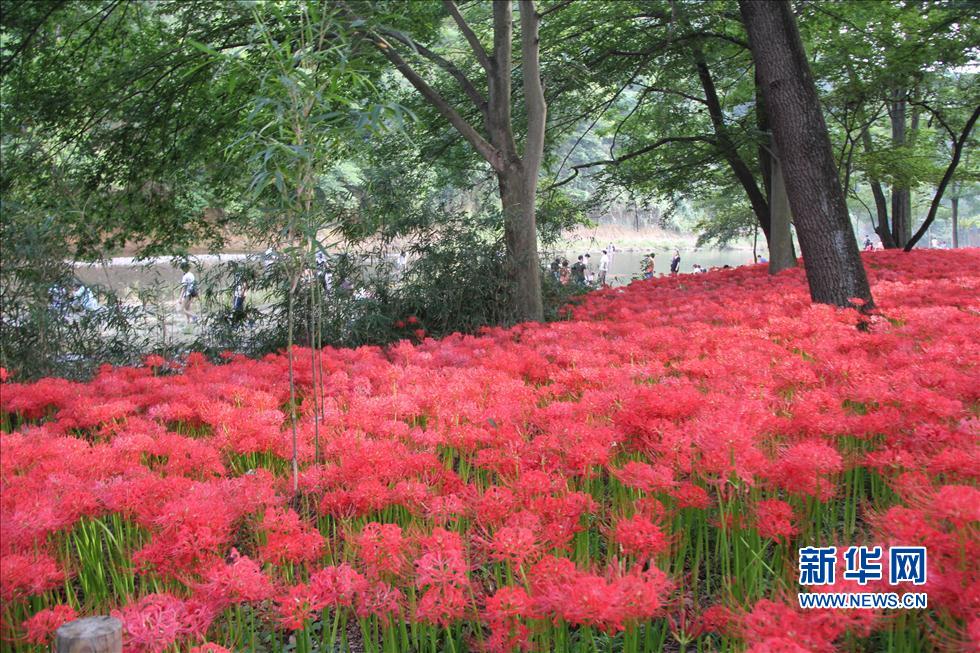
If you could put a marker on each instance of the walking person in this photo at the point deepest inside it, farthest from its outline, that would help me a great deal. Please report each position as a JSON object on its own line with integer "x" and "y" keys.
{"x": 589, "y": 274}
{"x": 675, "y": 263}
{"x": 564, "y": 275}
{"x": 188, "y": 291}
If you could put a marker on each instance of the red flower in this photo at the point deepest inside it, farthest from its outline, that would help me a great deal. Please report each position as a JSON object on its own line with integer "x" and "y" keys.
{"x": 774, "y": 519}
{"x": 42, "y": 625}
{"x": 640, "y": 537}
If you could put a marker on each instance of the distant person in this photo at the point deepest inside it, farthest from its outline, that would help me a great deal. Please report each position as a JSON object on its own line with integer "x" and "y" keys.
{"x": 589, "y": 274}
{"x": 238, "y": 300}
{"x": 648, "y": 266}
{"x": 268, "y": 258}
{"x": 578, "y": 271}
{"x": 401, "y": 264}
{"x": 564, "y": 274}
{"x": 556, "y": 268}
{"x": 675, "y": 263}
{"x": 58, "y": 302}
{"x": 83, "y": 301}
{"x": 695, "y": 268}
{"x": 763, "y": 259}
{"x": 603, "y": 267}
{"x": 188, "y": 291}
{"x": 868, "y": 245}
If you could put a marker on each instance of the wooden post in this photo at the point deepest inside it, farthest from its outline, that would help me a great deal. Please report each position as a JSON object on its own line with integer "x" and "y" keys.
{"x": 89, "y": 635}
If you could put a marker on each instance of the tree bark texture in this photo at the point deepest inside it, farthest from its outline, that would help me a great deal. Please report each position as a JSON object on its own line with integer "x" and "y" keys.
{"x": 781, "y": 253}
{"x": 954, "y": 217}
{"x": 833, "y": 265}
{"x": 901, "y": 196}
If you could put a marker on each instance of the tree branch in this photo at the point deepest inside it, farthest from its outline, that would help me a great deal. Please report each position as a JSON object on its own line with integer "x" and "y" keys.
{"x": 53, "y": 7}
{"x": 486, "y": 150}
{"x": 468, "y": 34}
{"x": 950, "y": 169}
{"x": 632, "y": 155}
{"x": 471, "y": 92}
{"x": 556, "y": 7}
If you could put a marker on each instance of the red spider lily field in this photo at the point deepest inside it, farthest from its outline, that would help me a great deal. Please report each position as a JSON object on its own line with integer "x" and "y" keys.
{"x": 637, "y": 477}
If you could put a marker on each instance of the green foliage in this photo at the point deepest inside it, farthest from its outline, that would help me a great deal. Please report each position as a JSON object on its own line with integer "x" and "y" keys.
{"x": 45, "y": 329}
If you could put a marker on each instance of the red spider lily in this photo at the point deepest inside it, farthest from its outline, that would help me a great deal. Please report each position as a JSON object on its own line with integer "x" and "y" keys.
{"x": 240, "y": 581}
{"x": 26, "y": 575}
{"x": 514, "y": 545}
{"x": 337, "y": 586}
{"x": 382, "y": 549}
{"x": 42, "y": 625}
{"x": 639, "y": 536}
{"x": 774, "y": 519}
{"x": 673, "y": 402}
{"x": 297, "y": 606}
{"x": 158, "y": 621}
{"x": 288, "y": 538}
{"x": 209, "y": 647}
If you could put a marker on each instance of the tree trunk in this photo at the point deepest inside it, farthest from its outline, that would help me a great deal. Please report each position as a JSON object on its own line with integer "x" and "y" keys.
{"x": 901, "y": 196}
{"x": 883, "y": 229}
{"x": 781, "y": 253}
{"x": 954, "y": 216}
{"x": 521, "y": 238}
{"x": 833, "y": 265}
{"x": 517, "y": 174}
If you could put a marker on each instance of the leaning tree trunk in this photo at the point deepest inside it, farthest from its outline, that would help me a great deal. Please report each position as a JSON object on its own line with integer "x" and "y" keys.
{"x": 781, "y": 253}
{"x": 830, "y": 252}
{"x": 517, "y": 194}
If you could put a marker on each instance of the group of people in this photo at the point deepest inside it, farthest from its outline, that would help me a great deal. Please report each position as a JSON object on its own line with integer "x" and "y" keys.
{"x": 581, "y": 272}
{"x": 649, "y": 264}
{"x": 74, "y": 304}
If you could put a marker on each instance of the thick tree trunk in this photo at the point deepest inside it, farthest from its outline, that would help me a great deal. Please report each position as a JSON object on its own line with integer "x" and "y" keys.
{"x": 830, "y": 252}
{"x": 521, "y": 238}
{"x": 901, "y": 196}
{"x": 954, "y": 216}
{"x": 781, "y": 253}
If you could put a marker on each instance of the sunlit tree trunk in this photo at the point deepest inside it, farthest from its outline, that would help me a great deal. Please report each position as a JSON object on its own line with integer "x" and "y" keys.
{"x": 954, "y": 217}
{"x": 781, "y": 253}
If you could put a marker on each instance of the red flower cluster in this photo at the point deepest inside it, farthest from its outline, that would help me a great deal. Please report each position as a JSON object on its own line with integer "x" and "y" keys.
{"x": 518, "y": 479}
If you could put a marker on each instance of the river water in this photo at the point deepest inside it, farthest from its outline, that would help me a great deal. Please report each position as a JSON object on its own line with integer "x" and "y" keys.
{"x": 124, "y": 275}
